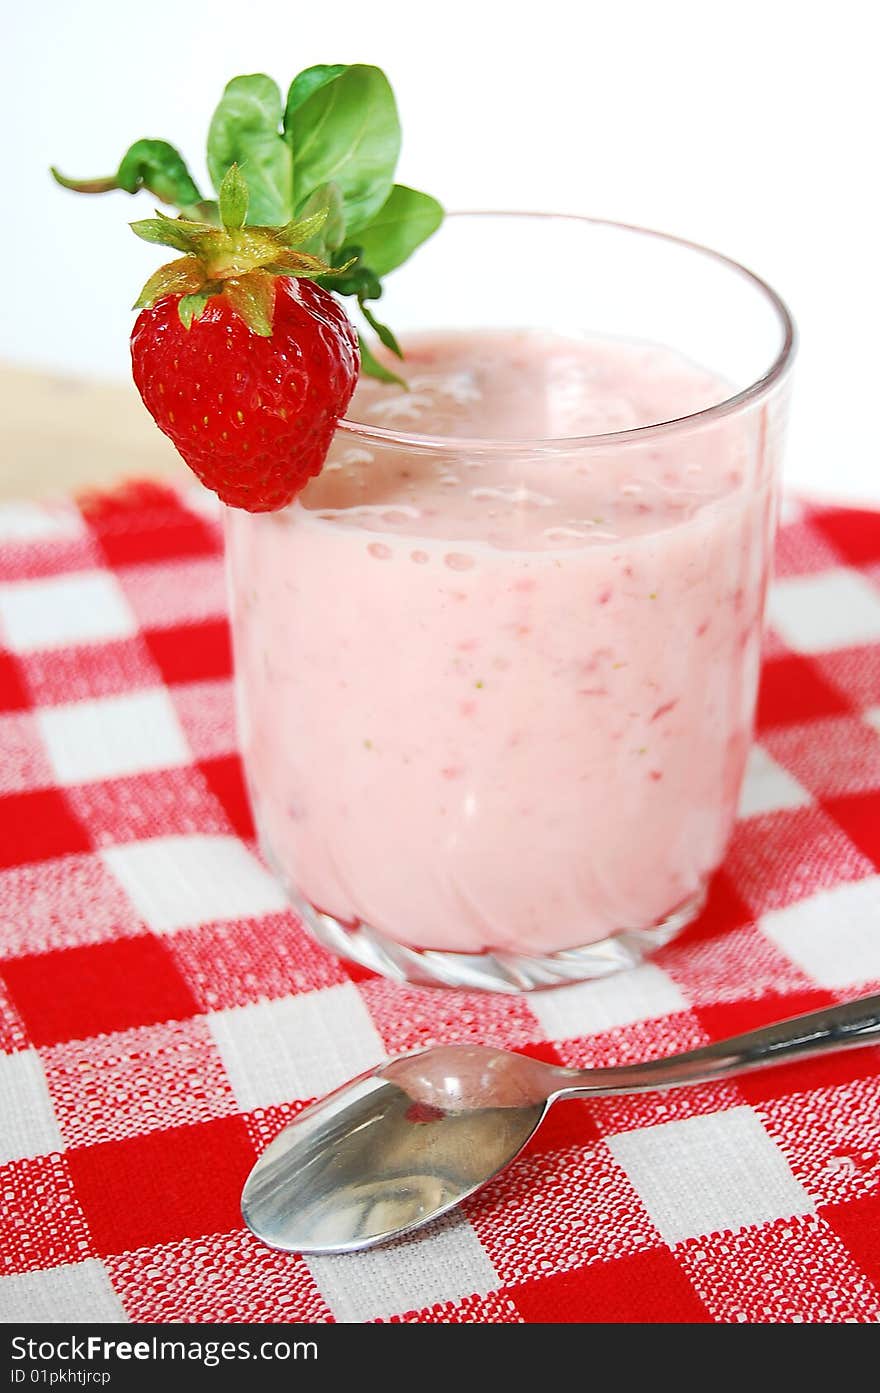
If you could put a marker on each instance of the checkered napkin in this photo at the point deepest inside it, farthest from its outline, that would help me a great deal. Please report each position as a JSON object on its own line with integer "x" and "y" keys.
{"x": 163, "y": 1015}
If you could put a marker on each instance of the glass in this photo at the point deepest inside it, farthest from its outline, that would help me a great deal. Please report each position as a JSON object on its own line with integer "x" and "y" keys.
{"x": 510, "y": 766}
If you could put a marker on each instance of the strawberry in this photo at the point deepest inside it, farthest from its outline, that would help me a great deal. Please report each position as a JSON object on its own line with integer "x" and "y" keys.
{"x": 246, "y": 370}
{"x": 252, "y": 416}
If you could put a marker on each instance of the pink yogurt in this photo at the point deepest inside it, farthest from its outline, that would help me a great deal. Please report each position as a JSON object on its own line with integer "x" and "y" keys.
{"x": 501, "y": 698}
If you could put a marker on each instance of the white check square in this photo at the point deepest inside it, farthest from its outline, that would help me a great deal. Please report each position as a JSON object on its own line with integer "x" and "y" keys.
{"x": 29, "y": 1126}
{"x": 113, "y": 736}
{"x": 833, "y": 936}
{"x": 40, "y": 522}
{"x": 768, "y": 788}
{"x": 298, "y": 1047}
{"x": 834, "y": 609}
{"x": 179, "y": 882}
{"x": 710, "y": 1173}
{"x": 408, "y": 1275}
{"x": 75, "y": 1294}
{"x": 586, "y": 1008}
{"x": 62, "y": 610}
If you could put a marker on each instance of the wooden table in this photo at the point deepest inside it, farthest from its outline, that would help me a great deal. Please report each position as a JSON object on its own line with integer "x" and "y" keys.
{"x": 64, "y": 433}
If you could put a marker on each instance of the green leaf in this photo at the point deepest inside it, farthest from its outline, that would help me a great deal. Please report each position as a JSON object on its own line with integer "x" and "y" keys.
{"x": 405, "y": 220}
{"x": 233, "y": 199}
{"x": 302, "y": 230}
{"x": 307, "y": 82}
{"x": 192, "y": 306}
{"x": 352, "y": 277}
{"x": 164, "y": 232}
{"x": 157, "y": 166}
{"x": 253, "y": 298}
{"x": 373, "y": 368}
{"x": 384, "y": 333}
{"x": 326, "y": 199}
{"x": 347, "y": 131}
{"x": 148, "y": 164}
{"x": 181, "y": 277}
{"x": 246, "y": 130}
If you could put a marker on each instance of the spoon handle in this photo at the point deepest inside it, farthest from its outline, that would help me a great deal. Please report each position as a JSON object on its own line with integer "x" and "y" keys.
{"x": 818, "y": 1032}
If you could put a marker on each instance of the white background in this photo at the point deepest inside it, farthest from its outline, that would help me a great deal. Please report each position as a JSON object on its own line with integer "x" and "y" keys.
{"x": 750, "y": 126}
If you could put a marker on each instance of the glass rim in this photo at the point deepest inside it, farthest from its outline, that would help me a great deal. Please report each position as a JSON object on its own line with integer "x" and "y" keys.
{"x": 756, "y": 391}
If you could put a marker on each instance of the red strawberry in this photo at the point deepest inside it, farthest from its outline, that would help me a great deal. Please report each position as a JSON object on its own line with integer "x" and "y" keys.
{"x": 241, "y": 360}
{"x": 253, "y": 416}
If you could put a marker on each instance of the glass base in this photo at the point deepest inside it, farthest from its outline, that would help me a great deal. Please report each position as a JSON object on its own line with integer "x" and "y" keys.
{"x": 495, "y": 972}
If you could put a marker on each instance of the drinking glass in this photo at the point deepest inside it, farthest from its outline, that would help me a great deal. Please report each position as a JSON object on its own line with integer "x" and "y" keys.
{"x": 512, "y": 766}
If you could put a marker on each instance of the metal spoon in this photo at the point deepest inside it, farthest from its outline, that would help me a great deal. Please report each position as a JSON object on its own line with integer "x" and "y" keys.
{"x": 404, "y": 1143}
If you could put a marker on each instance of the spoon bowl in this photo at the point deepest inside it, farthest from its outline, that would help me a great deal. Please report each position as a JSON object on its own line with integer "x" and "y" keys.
{"x": 397, "y": 1146}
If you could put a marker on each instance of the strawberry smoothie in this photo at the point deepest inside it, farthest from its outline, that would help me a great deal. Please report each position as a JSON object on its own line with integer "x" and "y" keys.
{"x": 500, "y": 696}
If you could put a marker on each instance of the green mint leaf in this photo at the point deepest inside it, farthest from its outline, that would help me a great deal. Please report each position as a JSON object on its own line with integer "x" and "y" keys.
{"x": 373, "y": 368}
{"x": 157, "y": 166}
{"x": 148, "y": 164}
{"x": 384, "y": 333}
{"x": 307, "y": 82}
{"x": 246, "y": 130}
{"x": 347, "y": 131}
{"x": 326, "y": 199}
{"x": 233, "y": 199}
{"x": 405, "y": 220}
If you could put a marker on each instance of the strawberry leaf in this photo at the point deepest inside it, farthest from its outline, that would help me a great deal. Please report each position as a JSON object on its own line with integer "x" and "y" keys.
{"x": 347, "y": 131}
{"x": 253, "y": 298}
{"x": 192, "y": 306}
{"x": 233, "y": 199}
{"x": 164, "y": 232}
{"x": 182, "y": 277}
{"x": 246, "y": 130}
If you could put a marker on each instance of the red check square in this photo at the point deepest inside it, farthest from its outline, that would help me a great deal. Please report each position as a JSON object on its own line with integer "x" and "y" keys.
{"x": 792, "y": 689}
{"x": 165, "y": 1186}
{"x": 76, "y": 992}
{"x": 39, "y": 825}
{"x": 854, "y": 533}
{"x": 42, "y": 1223}
{"x": 193, "y": 652}
{"x": 147, "y": 522}
{"x": 13, "y": 689}
{"x": 225, "y": 778}
{"x": 859, "y": 816}
{"x": 644, "y": 1288}
{"x": 857, "y": 1223}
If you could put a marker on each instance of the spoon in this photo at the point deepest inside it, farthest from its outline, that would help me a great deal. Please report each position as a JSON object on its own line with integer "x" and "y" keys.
{"x": 405, "y": 1142}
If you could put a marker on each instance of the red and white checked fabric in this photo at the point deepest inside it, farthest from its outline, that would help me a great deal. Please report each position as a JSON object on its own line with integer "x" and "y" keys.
{"x": 162, "y": 1013}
